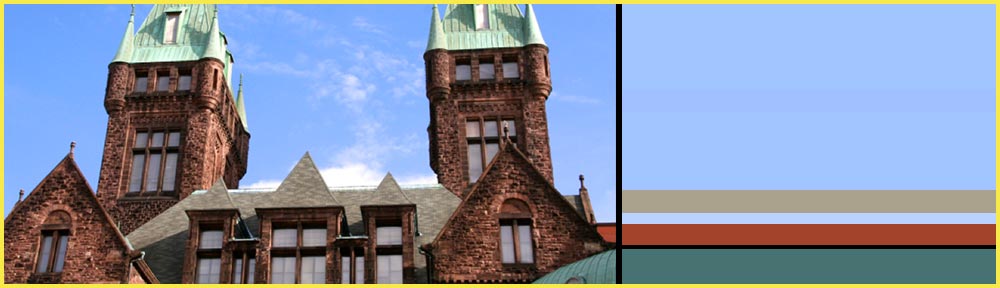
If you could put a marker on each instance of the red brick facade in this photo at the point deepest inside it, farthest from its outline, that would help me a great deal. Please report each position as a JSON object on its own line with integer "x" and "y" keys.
{"x": 453, "y": 102}
{"x": 214, "y": 143}
{"x": 466, "y": 215}
{"x": 468, "y": 249}
{"x": 96, "y": 252}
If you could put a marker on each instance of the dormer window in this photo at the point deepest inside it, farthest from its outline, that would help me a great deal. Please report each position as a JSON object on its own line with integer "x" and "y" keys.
{"x": 171, "y": 27}
{"x": 482, "y": 16}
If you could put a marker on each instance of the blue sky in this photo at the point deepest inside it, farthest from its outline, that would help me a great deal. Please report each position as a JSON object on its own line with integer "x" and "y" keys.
{"x": 345, "y": 83}
{"x": 808, "y": 97}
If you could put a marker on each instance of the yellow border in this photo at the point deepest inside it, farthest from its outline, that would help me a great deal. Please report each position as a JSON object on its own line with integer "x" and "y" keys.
{"x": 515, "y": 2}
{"x": 996, "y": 59}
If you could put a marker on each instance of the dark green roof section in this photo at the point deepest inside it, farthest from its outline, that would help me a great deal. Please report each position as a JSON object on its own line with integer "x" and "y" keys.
{"x": 507, "y": 27}
{"x": 600, "y": 268}
{"x": 194, "y": 34}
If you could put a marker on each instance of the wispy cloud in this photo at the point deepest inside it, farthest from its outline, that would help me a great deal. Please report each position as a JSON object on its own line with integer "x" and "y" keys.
{"x": 363, "y": 24}
{"x": 353, "y": 81}
{"x": 573, "y": 98}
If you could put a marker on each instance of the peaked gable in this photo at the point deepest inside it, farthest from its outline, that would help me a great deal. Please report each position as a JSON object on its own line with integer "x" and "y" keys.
{"x": 389, "y": 193}
{"x": 303, "y": 187}
{"x": 560, "y": 235}
{"x": 90, "y": 228}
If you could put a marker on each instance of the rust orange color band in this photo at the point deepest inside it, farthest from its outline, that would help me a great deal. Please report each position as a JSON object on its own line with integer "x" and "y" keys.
{"x": 808, "y": 234}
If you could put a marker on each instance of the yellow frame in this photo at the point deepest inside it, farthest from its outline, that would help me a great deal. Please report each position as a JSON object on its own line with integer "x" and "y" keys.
{"x": 997, "y": 59}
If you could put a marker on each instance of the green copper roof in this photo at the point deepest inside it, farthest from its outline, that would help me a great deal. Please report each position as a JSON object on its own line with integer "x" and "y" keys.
{"x": 532, "y": 34}
{"x": 436, "y": 40}
{"x": 240, "y": 106}
{"x": 507, "y": 28}
{"x": 125, "y": 48}
{"x": 193, "y": 36}
{"x": 598, "y": 269}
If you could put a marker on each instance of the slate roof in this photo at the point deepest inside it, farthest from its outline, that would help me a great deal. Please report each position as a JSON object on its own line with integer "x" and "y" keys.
{"x": 165, "y": 236}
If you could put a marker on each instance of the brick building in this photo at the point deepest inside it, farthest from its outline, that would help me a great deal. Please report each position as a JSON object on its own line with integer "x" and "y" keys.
{"x": 169, "y": 208}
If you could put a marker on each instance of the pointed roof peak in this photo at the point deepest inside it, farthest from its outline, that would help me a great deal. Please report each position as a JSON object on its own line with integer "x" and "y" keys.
{"x": 214, "y": 49}
{"x": 389, "y": 192}
{"x": 240, "y": 106}
{"x": 532, "y": 33}
{"x": 218, "y": 196}
{"x": 437, "y": 38}
{"x": 127, "y": 45}
{"x": 303, "y": 187}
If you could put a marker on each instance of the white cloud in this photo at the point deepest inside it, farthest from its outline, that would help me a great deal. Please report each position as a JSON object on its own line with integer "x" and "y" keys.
{"x": 362, "y": 24}
{"x": 571, "y": 98}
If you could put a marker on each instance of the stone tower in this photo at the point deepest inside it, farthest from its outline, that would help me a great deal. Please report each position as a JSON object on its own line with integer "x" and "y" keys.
{"x": 487, "y": 72}
{"x": 173, "y": 124}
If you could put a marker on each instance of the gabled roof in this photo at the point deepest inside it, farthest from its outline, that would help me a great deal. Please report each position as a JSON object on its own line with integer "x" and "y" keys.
{"x": 532, "y": 171}
{"x": 507, "y": 28}
{"x": 164, "y": 237}
{"x": 389, "y": 193}
{"x": 303, "y": 187}
{"x": 67, "y": 168}
{"x": 197, "y": 29}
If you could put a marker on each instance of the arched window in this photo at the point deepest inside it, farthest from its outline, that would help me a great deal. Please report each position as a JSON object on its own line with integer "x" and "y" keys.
{"x": 55, "y": 239}
{"x": 516, "y": 245}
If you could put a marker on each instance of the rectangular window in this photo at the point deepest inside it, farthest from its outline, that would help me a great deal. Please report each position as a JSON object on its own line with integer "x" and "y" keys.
{"x": 314, "y": 237}
{"x": 52, "y": 251}
{"x": 358, "y": 268}
{"x": 239, "y": 270}
{"x": 515, "y": 242}
{"x": 485, "y": 144}
{"x": 304, "y": 248}
{"x": 482, "y": 16}
{"x": 510, "y": 70}
{"x": 171, "y": 27}
{"x": 163, "y": 82}
{"x": 154, "y": 163}
{"x": 463, "y": 72}
{"x": 283, "y": 270}
{"x": 141, "y": 83}
{"x": 486, "y": 71}
{"x": 390, "y": 269}
{"x": 284, "y": 238}
{"x": 208, "y": 270}
{"x": 210, "y": 239}
{"x": 313, "y": 270}
{"x": 184, "y": 83}
{"x": 389, "y": 235}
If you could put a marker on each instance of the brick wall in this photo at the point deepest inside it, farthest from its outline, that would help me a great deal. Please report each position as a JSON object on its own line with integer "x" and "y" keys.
{"x": 95, "y": 254}
{"x": 452, "y": 102}
{"x": 468, "y": 249}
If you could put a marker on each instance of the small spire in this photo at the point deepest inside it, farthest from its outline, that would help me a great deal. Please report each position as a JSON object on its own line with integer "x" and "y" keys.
{"x": 124, "y": 53}
{"x": 581, "y": 183}
{"x": 213, "y": 49}
{"x": 437, "y": 38}
{"x": 72, "y": 146}
{"x": 20, "y": 196}
{"x": 240, "y": 107}
{"x": 532, "y": 34}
